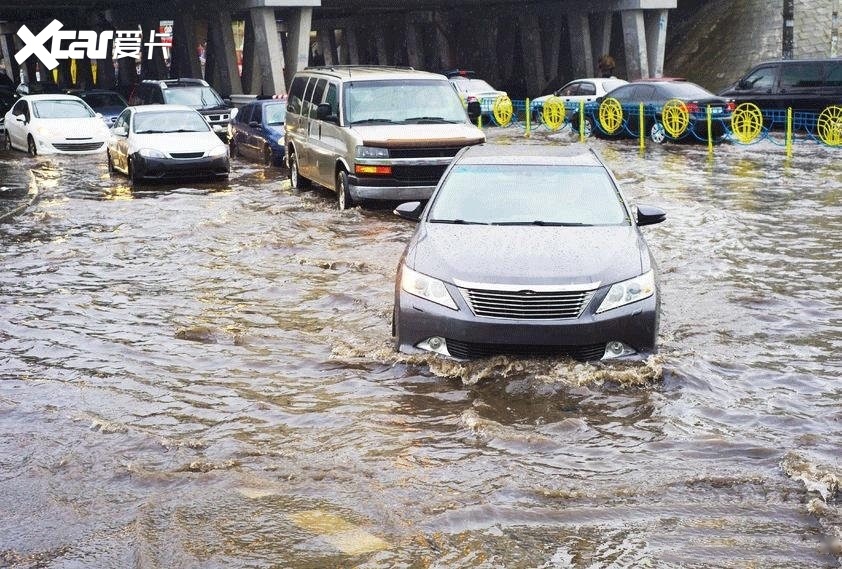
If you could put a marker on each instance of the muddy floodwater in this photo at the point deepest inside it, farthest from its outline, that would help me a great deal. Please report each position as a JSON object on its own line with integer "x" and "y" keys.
{"x": 202, "y": 376}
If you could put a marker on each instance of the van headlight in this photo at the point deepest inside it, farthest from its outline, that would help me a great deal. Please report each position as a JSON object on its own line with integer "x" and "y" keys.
{"x": 151, "y": 153}
{"x": 626, "y": 292}
{"x": 220, "y": 150}
{"x": 426, "y": 287}
{"x": 372, "y": 152}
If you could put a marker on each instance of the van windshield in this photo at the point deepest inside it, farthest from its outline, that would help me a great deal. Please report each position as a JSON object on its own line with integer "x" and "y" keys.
{"x": 419, "y": 101}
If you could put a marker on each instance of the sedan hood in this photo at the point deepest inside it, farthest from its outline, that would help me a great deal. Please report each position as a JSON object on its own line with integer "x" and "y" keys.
{"x": 528, "y": 254}
{"x": 429, "y": 135}
{"x": 176, "y": 141}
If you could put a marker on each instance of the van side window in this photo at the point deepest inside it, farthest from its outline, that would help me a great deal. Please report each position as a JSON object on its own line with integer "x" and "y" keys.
{"x": 760, "y": 79}
{"x": 296, "y": 94}
{"x": 308, "y": 98}
{"x": 801, "y": 75}
{"x": 318, "y": 94}
{"x": 834, "y": 74}
{"x": 332, "y": 99}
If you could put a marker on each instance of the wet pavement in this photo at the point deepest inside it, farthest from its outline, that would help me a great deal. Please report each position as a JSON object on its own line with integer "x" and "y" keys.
{"x": 202, "y": 376}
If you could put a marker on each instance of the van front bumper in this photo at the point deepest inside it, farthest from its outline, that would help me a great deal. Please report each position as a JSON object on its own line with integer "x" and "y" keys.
{"x": 389, "y": 192}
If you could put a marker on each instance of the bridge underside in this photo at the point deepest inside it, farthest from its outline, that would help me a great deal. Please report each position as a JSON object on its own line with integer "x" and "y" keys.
{"x": 255, "y": 46}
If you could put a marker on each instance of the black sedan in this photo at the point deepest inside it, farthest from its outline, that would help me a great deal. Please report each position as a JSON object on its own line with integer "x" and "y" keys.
{"x": 659, "y": 124}
{"x": 527, "y": 251}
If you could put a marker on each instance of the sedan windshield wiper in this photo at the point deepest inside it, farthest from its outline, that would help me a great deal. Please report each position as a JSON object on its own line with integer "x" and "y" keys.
{"x": 544, "y": 223}
{"x": 458, "y": 222}
{"x": 151, "y": 131}
{"x": 372, "y": 120}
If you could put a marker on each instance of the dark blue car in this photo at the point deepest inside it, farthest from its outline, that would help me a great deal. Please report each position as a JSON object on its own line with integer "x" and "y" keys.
{"x": 107, "y": 103}
{"x": 257, "y": 132}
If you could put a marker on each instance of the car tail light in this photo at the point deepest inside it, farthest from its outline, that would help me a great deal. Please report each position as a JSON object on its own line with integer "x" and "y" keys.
{"x": 730, "y": 106}
{"x": 373, "y": 170}
{"x": 692, "y": 108}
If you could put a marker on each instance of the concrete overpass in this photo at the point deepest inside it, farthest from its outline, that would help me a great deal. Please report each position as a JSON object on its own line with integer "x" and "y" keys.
{"x": 526, "y": 47}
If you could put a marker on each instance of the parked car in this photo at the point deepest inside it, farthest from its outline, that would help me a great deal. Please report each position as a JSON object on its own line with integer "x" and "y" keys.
{"x": 107, "y": 103}
{"x": 54, "y": 124}
{"x": 803, "y": 85}
{"x": 472, "y": 89}
{"x": 257, "y": 132}
{"x": 195, "y": 93}
{"x": 165, "y": 142}
{"x": 37, "y": 88}
{"x": 527, "y": 250}
{"x": 586, "y": 90}
{"x": 654, "y": 93}
{"x": 373, "y": 133}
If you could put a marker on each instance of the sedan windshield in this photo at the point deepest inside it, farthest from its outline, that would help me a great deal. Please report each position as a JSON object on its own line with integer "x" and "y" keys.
{"x": 199, "y": 97}
{"x": 403, "y": 101}
{"x": 169, "y": 121}
{"x": 514, "y": 194}
{"x": 99, "y": 100}
{"x": 61, "y": 109}
{"x": 275, "y": 113}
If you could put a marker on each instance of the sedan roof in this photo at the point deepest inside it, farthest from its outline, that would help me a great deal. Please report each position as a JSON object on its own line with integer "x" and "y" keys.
{"x": 158, "y": 108}
{"x": 529, "y": 154}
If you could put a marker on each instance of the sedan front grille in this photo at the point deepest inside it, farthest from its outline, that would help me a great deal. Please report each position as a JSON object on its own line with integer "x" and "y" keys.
{"x": 473, "y": 350}
{"x": 77, "y": 146}
{"x": 187, "y": 154}
{"x": 527, "y": 304}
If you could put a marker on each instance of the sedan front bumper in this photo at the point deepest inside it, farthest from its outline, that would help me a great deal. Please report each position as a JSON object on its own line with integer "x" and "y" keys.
{"x": 468, "y": 336}
{"x": 167, "y": 168}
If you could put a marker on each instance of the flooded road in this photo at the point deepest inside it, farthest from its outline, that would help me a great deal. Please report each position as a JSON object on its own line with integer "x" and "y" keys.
{"x": 202, "y": 376}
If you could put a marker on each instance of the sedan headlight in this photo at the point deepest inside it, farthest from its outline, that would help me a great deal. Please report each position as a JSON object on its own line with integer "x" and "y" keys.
{"x": 151, "y": 153}
{"x": 220, "y": 150}
{"x": 629, "y": 291}
{"x": 426, "y": 287}
{"x": 45, "y": 131}
{"x": 372, "y": 152}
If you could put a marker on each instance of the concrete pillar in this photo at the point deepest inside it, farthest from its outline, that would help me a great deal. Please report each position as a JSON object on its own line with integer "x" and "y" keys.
{"x": 533, "y": 61}
{"x": 298, "y": 42}
{"x": 581, "y": 52}
{"x": 634, "y": 38}
{"x": 551, "y": 39}
{"x": 656, "y": 40}
{"x": 325, "y": 36}
{"x": 9, "y": 64}
{"x": 269, "y": 54}
{"x": 185, "y": 59}
{"x": 601, "y": 37}
{"x": 251, "y": 76}
{"x": 506, "y": 41}
{"x": 105, "y": 76}
{"x": 155, "y": 67}
{"x": 444, "y": 49}
{"x": 352, "y": 49}
{"x": 382, "y": 51}
{"x": 221, "y": 55}
{"x": 414, "y": 49}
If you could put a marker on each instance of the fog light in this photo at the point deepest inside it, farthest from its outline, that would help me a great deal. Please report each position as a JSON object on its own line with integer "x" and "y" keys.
{"x": 617, "y": 349}
{"x": 435, "y": 344}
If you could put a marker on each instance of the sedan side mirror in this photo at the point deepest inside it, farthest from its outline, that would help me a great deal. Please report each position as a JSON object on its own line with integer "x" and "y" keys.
{"x": 121, "y": 131}
{"x": 649, "y": 215}
{"x": 20, "y": 118}
{"x": 409, "y": 210}
{"x": 744, "y": 85}
{"x": 474, "y": 110}
{"x": 254, "y": 124}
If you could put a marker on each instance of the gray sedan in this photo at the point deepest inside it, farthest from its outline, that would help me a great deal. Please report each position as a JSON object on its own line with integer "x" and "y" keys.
{"x": 525, "y": 253}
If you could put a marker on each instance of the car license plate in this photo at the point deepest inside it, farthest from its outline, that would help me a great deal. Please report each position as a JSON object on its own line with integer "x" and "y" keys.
{"x": 716, "y": 110}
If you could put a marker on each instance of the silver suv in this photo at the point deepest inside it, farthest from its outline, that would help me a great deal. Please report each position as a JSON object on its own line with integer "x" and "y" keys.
{"x": 374, "y": 133}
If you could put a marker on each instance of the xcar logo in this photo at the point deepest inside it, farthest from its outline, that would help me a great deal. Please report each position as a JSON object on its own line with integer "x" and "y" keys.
{"x": 86, "y": 46}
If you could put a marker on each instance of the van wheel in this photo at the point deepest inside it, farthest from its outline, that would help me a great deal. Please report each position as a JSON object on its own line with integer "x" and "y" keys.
{"x": 343, "y": 193}
{"x": 657, "y": 133}
{"x": 295, "y": 178}
{"x": 31, "y": 148}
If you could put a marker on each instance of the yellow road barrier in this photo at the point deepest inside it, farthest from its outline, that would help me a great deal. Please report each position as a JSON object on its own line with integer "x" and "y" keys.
{"x": 553, "y": 113}
{"x": 675, "y": 117}
{"x": 829, "y": 126}
{"x": 502, "y": 110}
{"x": 610, "y": 115}
{"x": 746, "y": 122}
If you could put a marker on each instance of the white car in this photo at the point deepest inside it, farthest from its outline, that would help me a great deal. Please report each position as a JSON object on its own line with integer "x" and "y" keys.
{"x": 471, "y": 88}
{"x": 586, "y": 90}
{"x": 54, "y": 124}
{"x": 166, "y": 141}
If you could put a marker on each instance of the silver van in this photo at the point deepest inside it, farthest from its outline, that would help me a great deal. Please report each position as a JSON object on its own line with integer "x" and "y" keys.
{"x": 374, "y": 133}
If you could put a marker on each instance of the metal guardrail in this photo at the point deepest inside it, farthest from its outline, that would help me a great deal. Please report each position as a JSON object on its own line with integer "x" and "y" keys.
{"x": 745, "y": 124}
